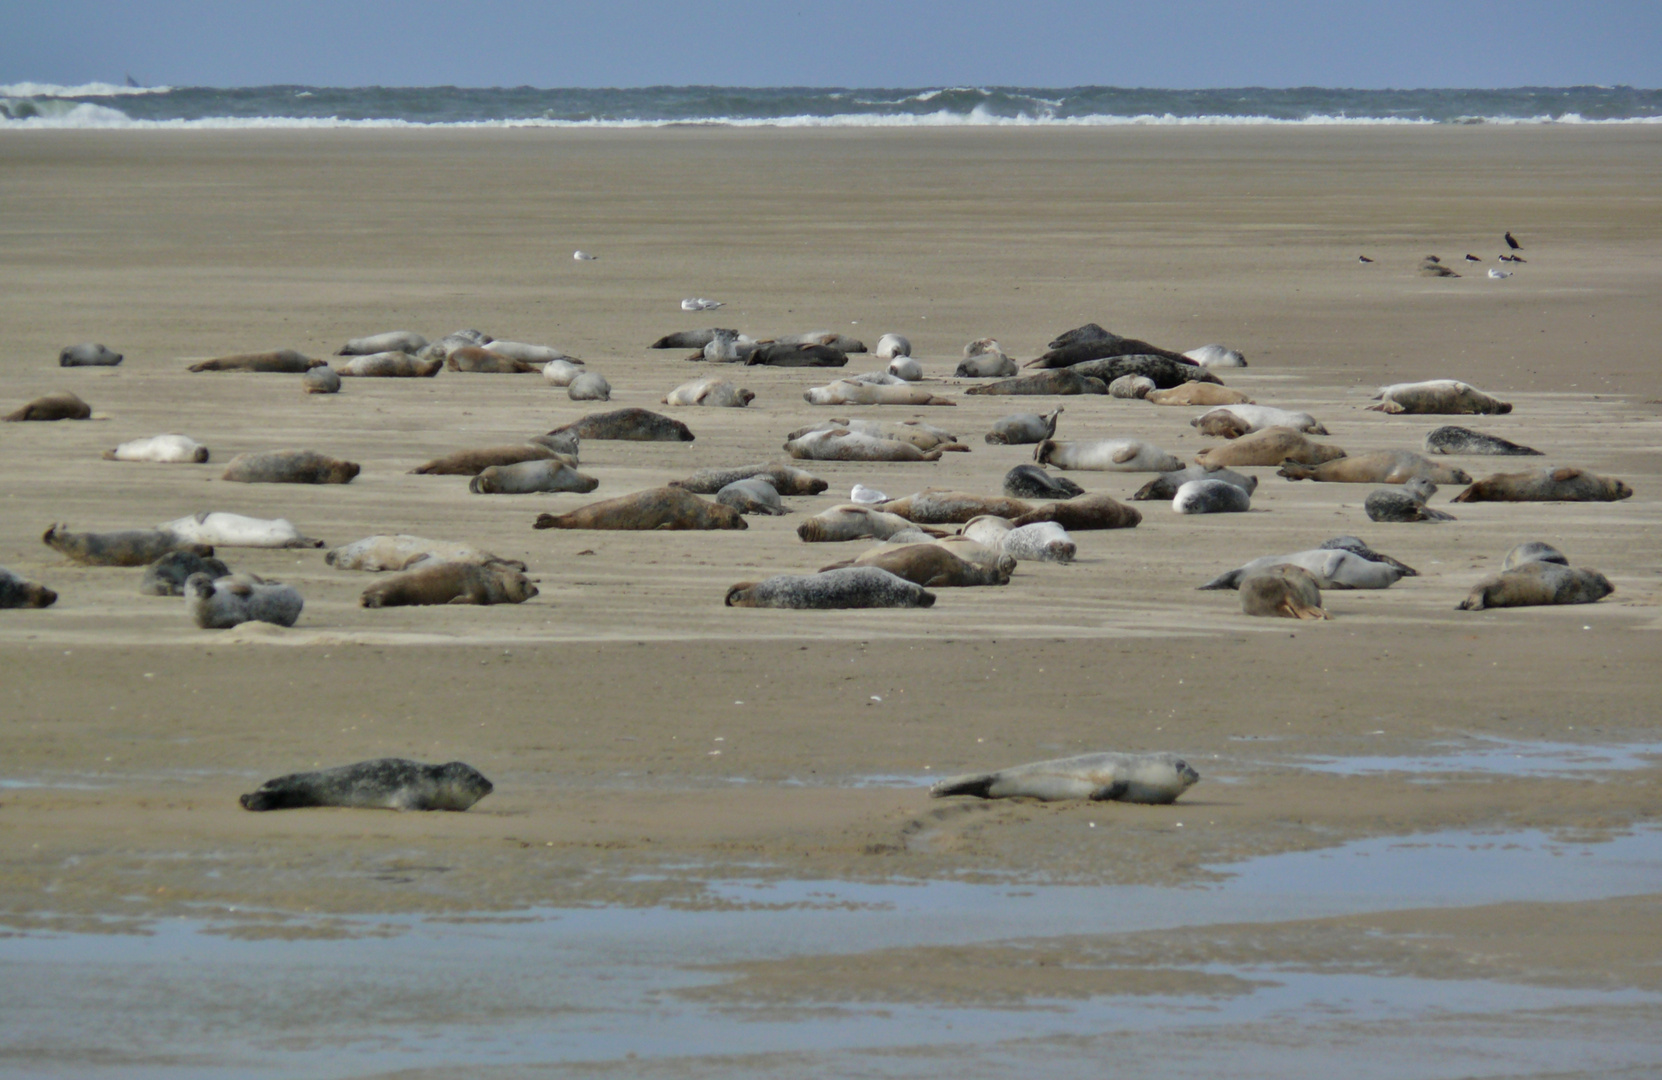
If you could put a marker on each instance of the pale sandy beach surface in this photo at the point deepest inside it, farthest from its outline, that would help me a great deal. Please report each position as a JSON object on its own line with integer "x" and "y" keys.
{"x": 1425, "y": 843}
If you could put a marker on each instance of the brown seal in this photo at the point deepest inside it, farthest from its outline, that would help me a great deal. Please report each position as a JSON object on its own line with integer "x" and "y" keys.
{"x": 127, "y": 547}
{"x": 1535, "y": 583}
{"x": 529, "y": 477}
{"x": 289, "y": 467}
{"x": 785, "y": 479}
{"x": 932, "y": 566}
{"x": 1384, "y": 467}
{"x": 437, "y": 581}
{"x": 1287, "y": 592}
{"x": 1546, "y": 485}
{"x": 1272, "y": 446}
{"x": 934, "y": 506}
{"x": 636, "y": 425}
{"x": 481, "y": 361}
{"x": 658, "y": 508}
{"x": 60, "y": 406}
{"x": 474, "y": 462}
{"x": 1198, "y": 393}
{"x": 390, "y": 365}
{"x": 1083, "y": 512}
{"x": 284, "y": 361}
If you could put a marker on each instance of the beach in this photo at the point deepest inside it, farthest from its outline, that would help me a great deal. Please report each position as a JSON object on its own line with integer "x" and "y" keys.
{"x": 650, "y": 747}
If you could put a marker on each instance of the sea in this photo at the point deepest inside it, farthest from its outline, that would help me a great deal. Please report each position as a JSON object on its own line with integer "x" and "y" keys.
{"x": 105, "y": 106}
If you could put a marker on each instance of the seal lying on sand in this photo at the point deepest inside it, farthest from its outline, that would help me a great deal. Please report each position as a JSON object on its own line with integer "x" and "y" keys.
{"x": 1537, "y": 582}
{"x": 168, "y": 574}
{"x": 237, "y": 530}
{"x": 1355, "y": 546}
{"x": 688, "y": 339}
{"x": 853, "y": 522}
{"x": 1111, "y": 455}
{"x": 658, "y": 508}
{"x": 1547, "y": 485}
{"x": 1131, "y": 386}
{"x": 985, "y": 359}
{"x": 924, "y": 436}
{"x": 320, "y": 380}
{"x": 778, "y": 354}
{"x": 128, "y": 547}
{"x": 589, "y": 386}
{"x": 560, "y": 372}
{"x": 1286, "y": 592}
{"x": 840, "y": 342}
{"x": 482, "y": 360}
{"x": 785, "y": 479}
{"x": 407, "y": 341}
{"x": 167, "y": 449}
{"x": 712, "y": 391}
{"x": 1449, "y": 396}
{"x": 1211, "y": 356}
{"x": 283, "y": 361}
{"x": 635, "y": 425}
{"x": 841, "y": 444}
{"x": 1060, "y": 381}
{"x": 1163, "y": 371}
{"x": 1032, "y": 482}
{"x": 752, "y": 495}
{"x": 219, "y": 604}
{"x": 474, "y": 462}
{"x": 390, "y": 365}
{"x": 1384, "y": 467}
{"x": 1021, "y": 428}
{"x": 289, "y": 467}
{"x": 1533, "y": 551}
{"x": 1331, "y": 568}
{"x": 933, "y": 566}
{"x": 88, "y": 354}
{"x": 528, "y": 477}
{"x": 60, "y": 406}
{"x": 382, "y": 784}
{"x": 1211, "y": 497}
{"x": 1084, "y": 512}
{"x": 1081, "y": 350}
{"x": 437, "y": 581}
{"x": 1237, "y": 420}
{"x": 1198, "y": 393}
{"x": 850, "y": 392}
{"x": 17, "y": 593}
{"x": 1134, "y": 778}
{"x": 850, "y": 587}
{"x": 1272, "y": 446}
{"x": 403, "y": 551}
{"x": 1039, "y": 541}
{"x": 1406, "y": 503}
{"x": 531, "y": 354}
{"x": 1458, "y": 440}
{"x": 935, "y": 506}
{"x": 1165, "y": 485}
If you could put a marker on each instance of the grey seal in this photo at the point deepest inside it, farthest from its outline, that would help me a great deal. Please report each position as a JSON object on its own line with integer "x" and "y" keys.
{"x": 390, "y": 365}
{"x": 1021, "y": 428}
{"x": 528, "y": 477}
{"x": 933, "y": 566}
{"x": 441, "y": 581}
{"x": 589, "y": 386}
{"x": 1109, "y": 346}
{"x": 1135, "y": 778}
{"x": 1132, "y": 386}
{"x": 1059, "y": 382}
{"x": 1382, "y": 467}
{"x": 168, "y": 574}
{"x": 88, "y": 354}
{"x": 1440, "y": 396}
{"x": 1032, "y": 482}
{"x": 657, "y": 508}
{"x": 690, "y": 339}
{"x": 1451, "y": 439}
{"x": 126, "y": 547}
{"x": 1404, "y": 503}
{"x": 1546, "y": 485}
{"x": 638, "y": 425}
{"x": 752, "y": 495}
{"x": 401, "y": 551}
{"x": 777, "y": 354}
{"x": 391, "y": 341}
{"x": 1286, "y": 592}
{"x": 231, "y": 601}
{"x": 1355, "y": 546}
{"x": 17, "y": 593}
{"x": 1233, "y": 421}
{"x": 1211, "y": 497}
{"x": 1533, "y": 551}
{"x": 1210, "y": 356}
{"x": 475, "y": 461}
{"x": 1111, "y": 455}
{"x": 382, "y": 784}
{"x": 785, "y": 479}
{"x": 283, "y": 361}
{"x": 985, "y": 359}
{"x": 1166, "y": 371}
{"x": 1166, "y": 484}
{"x": 1332, "y": 569}
{"x": 320, "y": 380}
{"x": 1080, "y": 335}
{"x": 1537, "y": 583}
{"x": 850, "y": 587}
{"x": 289, "y": 467}
{"x": 1040, "y": 541}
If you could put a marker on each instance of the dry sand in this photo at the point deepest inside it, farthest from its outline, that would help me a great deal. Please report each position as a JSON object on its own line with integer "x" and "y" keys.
{"x": 645, "y": 740}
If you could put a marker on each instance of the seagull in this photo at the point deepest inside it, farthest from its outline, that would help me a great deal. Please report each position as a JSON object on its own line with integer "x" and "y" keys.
{"x": 700, "y": 304}
{"x": 1512, "y": 242}
{"x": 1363, "y": 258}
{"x": 583, "y": 256}
{"x": 863, "y": 494}
{"x": 1498, "y": 274}
{"x": 1473, "y": 258}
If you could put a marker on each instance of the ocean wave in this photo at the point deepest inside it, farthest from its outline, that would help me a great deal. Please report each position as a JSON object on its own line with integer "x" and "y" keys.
{"x": 96, "y": 89}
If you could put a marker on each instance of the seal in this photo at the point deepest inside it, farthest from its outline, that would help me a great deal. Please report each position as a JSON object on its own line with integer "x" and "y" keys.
{"x": 382, "y": 784}
{"x": 1165, "y": 371}
{"x": 1272, "y": 446}
{"x": 852, "y": 522}
{"x": 1406, "y": 503}
{"x": 1331, "y": 568}
{"x": 474, "y": 462}
{"x": 890, "y": 346}
{"x": 17, "y": 593}
{"x": 1040, "y": 541}
{"x": 560, "y": 372}
{"x": 752, "y": 495}
{"x": 484, "y": 360}
{"x": 850, "y": 392}
{"x": 1211, "y": 497}
{"x": 1060, "y": 381}
{"x": 785, "y": 479}
{"x": 658, "y": 508}
{"x": 1032, "y": 482}
{"x": 1104, "y": 777}
{"x": 231, "y": 601}
{"x": 60, "y": 406}
{"x": 1131, "y": 386}
{"x": 635, "y": 425}
{"x": 1384, "y": 467}
{"x": 985, "y": 359}
{"x": 1106, "y": 455}
{"x": 1459, "y": 440}
{"x": 922, "y": 435}
{"x": 1108, "y": 347}
{"x": 933, "y": 566}
{"x": 165, "y": 449}
{"x": 289, "y": 467}
{"x": 589, "y": 386}
{"x": 168, "y": 574}
{"x": 1286, "y": 592}
{"x": 851, "y": 587}
{"x": 528, "y": 477}
{"x": 1536, "y": 583}
{"x": 127, "y": 547}
{"x": 1238, "y": 420}
{"x": 401, "y": 551}
{"x": 320, "y": 380}
{"x": 1198, "y": 393}
{"x": 779, "y": 354}
{"x": 236, "y": 530}
{"x": 88, "y": 354}
{"x": 1022, "y": 428}
{"x": 727, "y": 347}
{"x": 1084, "y": 512}
{"x": 539, "y": 355}
{"x": 906, "y": 368}
{"x": 840, "y": 342}
{"x": 1546, "y": 485}
{"x": 390, "y": 365}
{"x": 1211, "y": 356}
{"x": 689, "y": 339}
{"x": 1079, "y": 335}
{"x": 842, "y": 444}
{"x": 712, "y": 391}
{"x": 407, "y": 341}
{"x": 283, "y": 361}
{"x": 1533, "y": 551}
{"x": 1165, "y": 485}
{"x": 1438, "y": 396}
{"x": 934, "y": 506}
{"x": 442, "y": 581}
{"x": 1356, "y": 547}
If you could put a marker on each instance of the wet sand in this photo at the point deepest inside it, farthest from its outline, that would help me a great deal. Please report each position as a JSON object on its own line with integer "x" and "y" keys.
{"x": 647, "y": 743}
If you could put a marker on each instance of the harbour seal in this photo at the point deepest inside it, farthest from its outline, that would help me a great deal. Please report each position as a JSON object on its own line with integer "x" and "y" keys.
{"x": 289, "y": 467}
{"x": 1032, "y": 482}
{"x": 1536, "y": 583}
{"x": 727, "y": 347}
{"x": 88, "y": 354}
{"x": 320, "y": 380}
{"x": 1533, "y": 551}
{"x": 778, "y": 354}
{"x": 935, "y": 506}
{"x": 401, "y": 551}
{"x": 442, "y": 581}
{"x": 237, "y": 530}
{"x": 1459, "y": 440}
{"x": 840, "y": 342}
{"x": 62, "y": 405}
{"x": 1165, "y": 371}
{"x": 1546, "y": 485}
{"x": 1332, "y": 568}
{"x": 1211, "y": 356}
{"x": 560, "y": 372}
{"x": 1286, "y": 592}
{"x": 1405, "y": 503}
{"x": 219, "y": 604}
{"x": 390, "y": 365}
{"x": 1107, "y": 455}
{"x": 752, "y": 495}
{"x": 890, "y": 346}
{"x": 126, "y": 547}
{"x": 1211, "y": 497}
{"x": 922, "y": 435}
{"x": 1442, "y": 396}
{"x": 1084, "y": 512}
{"x": 17, "y": 593}
{"x": 1355, "y": 546}
{"x": 1080, "y": 334}
{"x": 985, "y": 359}
{"x": 785, "y": 479}
{"x": 933, "y": 566}
{"x": 538, "y": 355}
{"x": 842, "y": 444}
{"x": 713, "y": 391}
{"x": 1109, "y": 346}
{"x": 1104, "y": 777}
{"x": 1165, "y": 485}
{"x": 382, "y": 784}
{"x": 407, "y": 341}
{"x": 850, "y": 587}
{"x": 1272, "y": 446}
{"x": 850, "y": 392}
{"x": 474, "y": 462}
{"x": 528, "y": 477}
{"x": 1060, "y": 381}
{"x": 851, "y": 522}
{"x": 689, "y": 339}
{"x": 657, "y": 508}
{"x": 1237, "y": 420}
{"x": 164, "y": 449}
{"x": 1131, "y": 386}
{"x": 906, "y": 368}
{"x": 1199, "y": 393}
{"x": 589, "y": 386}
{"x": 635, "y": 425}
{"x": 1040, "y": 541}
{"x": 168, "y": 574}
{"x": 1384, "y": 467}
{"x": 1022, "y": 428}
{"x": 283, "y": 361}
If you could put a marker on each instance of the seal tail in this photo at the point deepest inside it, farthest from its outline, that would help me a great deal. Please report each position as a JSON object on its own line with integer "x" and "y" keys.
{"x": 976, "y": 784}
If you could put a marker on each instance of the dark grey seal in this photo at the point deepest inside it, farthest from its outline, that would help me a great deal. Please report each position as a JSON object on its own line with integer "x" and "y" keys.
{"x": 1165, "y": 485}
{"x": 168, "y": 574}
{"x": 1079, "y": 335}
{"x": 17, "y": 593}
{"x": 1450, "y": 439}
{"x": 1405, "y": 502}
{"x": 88, "y": 354}
{"x": 382, "y": 784}
{"x": 219, "y": 604}
{"x": 776, "y": 354}
{"x": 1356, "y": 547}
{"x": 637, "y": 425}
{"x": 1211, "y": 497}
{"x": 851, "y": 587}
{"x": 1031, "y": 482}
{"x": 1538, "y": 583}
{"x": 1165, "y": 371}
{"x": 1533, "y": 551}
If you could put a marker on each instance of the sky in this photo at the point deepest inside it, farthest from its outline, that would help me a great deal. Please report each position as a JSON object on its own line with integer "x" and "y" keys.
{"x": 1188, "y": 44}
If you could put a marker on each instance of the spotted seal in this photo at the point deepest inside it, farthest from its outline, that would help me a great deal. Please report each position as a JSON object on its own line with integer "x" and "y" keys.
{"x": 712, "y": 391}
{"x": 1040, "y": 541}
{"x": 382, "y": 784}
{"x": 1384, "y": 467}
{"x": 219, "y": 604}
{"x": 528, "y": 477}
{"x": 785, "y": 479}
{"x": 1084, "y": 512}
{"x": 657, "y": 508}
{"x": 1164, "y": 371}
{"x": 17, "y": 593}
{"x": 165, "y": 449}
{"x": 635, "y": 425}
{"x": 1458, "y": 440}
{"x": 850, "y": 587}
{"x": 1111, "y": 455}
{"x": 126, "y": 547}
{"x": 1104, "y": 777}
{"x": 1405, "y": 503}
{"x": 984, "y": 358}
{"x": 407, "y": 341}
{"x": 289, "y": 467}
{"x": 1286, "y": 592}
{"x": 589, "y": 386}
{"x": 1233, "y": 421}
{"x": 935, "y": 506}
{"x": 1128, "y": 387}
{"x": 1546, "y": 485}
{"x": 752, "y": 495}
{"x": 442, "y": 581}
{"x": 88, "y": 354}
{"x": 62, "y": 405}
{"x": 1022, "y": 428}
{"x": 1032, "y": 482}
{"x": 283, "y": 361}
{"x": 1109, "y": 346}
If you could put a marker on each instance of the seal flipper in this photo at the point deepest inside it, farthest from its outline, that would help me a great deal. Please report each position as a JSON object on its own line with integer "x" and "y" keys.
{"x": 1231, "y": 580}
{"x": 1111, "y": 792}
{"x": 976, "y": 784}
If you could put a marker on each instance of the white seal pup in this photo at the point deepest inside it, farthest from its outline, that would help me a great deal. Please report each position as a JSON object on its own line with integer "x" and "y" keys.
{"x": 236, "y": 530}
{"x": 905, "y": 367}
{"x": 382, "y": 784}
{"x": 322, "y": 379}
{"x": 1023, "y": 428}
{"x": 392, "y": 341}
{"x": 1533, "y": 551}
{"x": 1404, "y": 503}
{"x": 1104, "y": 777}
{"x": 1436, "y": 396}
{"x": 1211, "y": 497}
{"x": 1251, "y": 418}
{"x": 712, "y": 391}
{"x": 1451, "y": 439}
{"x": 583, "y": 256}
{"x": 1332, "y": 569}
{"x": 1032, "y": 482}
{"x": 849, "y": 587}
{"x": 401, "y": 551}
{"x": 589, "y": 386}
{"x": 230, "y": 601}
{"x": 529, "y": 477}
{"x": 1110, "y": 455}
{"x": 752, "y": 495}
{"x": 560, "y": 372}
{"x": 890, "y": 346}
{"x": 1216, "y": 356}
{"x": 88, "y": 354}
{"x": 1042, "y": 541}
{"x": 165, "y": 449}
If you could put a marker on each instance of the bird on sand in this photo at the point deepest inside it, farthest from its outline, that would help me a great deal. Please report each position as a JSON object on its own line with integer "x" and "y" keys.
{"x": 1512, "y": 242}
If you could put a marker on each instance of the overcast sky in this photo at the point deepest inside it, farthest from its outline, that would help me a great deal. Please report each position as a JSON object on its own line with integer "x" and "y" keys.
{"x": 1178, "y": 44}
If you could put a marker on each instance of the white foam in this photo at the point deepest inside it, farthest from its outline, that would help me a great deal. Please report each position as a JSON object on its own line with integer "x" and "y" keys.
{"x": 96, "y": 89}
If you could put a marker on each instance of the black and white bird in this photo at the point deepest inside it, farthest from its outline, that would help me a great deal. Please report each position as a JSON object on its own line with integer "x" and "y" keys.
{"x": 1472, "y": 258}
{"x": 1510, "y": 258}
{"x": 1512, "y": 242}
{"x": 1363, "y": 258}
